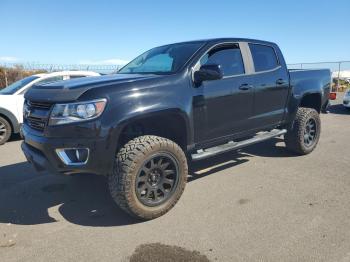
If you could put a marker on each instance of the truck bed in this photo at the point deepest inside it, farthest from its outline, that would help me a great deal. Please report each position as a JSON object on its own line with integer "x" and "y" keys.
{"x": 313, "y": 80}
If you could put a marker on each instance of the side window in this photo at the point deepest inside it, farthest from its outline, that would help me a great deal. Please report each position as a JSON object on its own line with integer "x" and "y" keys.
{"x": 44, "y": 81}
{"x": 75, "y": 76}
{"x": 228, "y": 57}
{"x": 50, "y": 79}
{"x": 264, "y": 57}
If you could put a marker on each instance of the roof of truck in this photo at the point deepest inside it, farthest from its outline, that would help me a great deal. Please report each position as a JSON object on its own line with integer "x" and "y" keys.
{"x": 228, "y": 39}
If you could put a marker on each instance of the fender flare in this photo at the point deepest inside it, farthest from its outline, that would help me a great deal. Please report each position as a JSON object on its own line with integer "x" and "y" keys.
{"x": 162, "y": 112}
{"x": 319, "y": 93}
{"x": 294, "y": 104}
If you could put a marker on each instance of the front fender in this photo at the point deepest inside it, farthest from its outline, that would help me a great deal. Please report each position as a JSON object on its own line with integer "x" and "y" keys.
{"x": 131, "y": 117}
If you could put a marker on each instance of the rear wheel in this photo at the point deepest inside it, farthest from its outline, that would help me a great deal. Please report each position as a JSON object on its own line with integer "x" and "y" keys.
{"x": 303, "y": 137}
{"x": 149, "y": 176}
{"x": 5, "y": 130}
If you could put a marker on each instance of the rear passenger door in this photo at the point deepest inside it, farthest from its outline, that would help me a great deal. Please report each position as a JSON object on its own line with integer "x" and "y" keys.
{"x": 271, "y": 82}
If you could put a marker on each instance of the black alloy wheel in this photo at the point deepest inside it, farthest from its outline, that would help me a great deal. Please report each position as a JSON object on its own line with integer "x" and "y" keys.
{"x": 310, "y": 132}
{"x": 157, "y": 179}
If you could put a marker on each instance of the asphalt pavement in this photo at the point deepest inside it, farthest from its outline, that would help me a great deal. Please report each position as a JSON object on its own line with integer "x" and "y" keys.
{"x": 259, "y": 204}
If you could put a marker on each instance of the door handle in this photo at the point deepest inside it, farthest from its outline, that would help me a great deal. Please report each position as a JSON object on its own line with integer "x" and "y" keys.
{"x": 280, "y": 81}
{"x": 245, "y": 87}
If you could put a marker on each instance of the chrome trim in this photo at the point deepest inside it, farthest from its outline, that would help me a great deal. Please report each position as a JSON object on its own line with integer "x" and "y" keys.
{"x": 231, "y": 145}
{"x": 65, "y": 159}
{"x": 84, "y": 102}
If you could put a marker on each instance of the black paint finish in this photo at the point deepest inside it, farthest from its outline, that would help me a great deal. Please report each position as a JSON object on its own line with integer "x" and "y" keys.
{"x": 212, "y": 112}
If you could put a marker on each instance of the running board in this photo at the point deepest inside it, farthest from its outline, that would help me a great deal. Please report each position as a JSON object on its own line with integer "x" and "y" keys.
{"x": 212, "y": 151}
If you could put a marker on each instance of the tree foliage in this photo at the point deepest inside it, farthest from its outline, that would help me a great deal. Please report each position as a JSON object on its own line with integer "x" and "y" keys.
{"x": 13, "y": 74}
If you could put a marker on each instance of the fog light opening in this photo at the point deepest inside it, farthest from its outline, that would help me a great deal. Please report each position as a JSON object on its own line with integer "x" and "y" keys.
{"x": 73, "y": 156}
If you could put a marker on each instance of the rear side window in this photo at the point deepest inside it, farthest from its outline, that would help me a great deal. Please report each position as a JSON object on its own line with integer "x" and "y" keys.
{"x": 75, "y": 76}
{"x": 264, "y": 57}
{"x": 228, "y": 57}
{"x": 50, "y": 80}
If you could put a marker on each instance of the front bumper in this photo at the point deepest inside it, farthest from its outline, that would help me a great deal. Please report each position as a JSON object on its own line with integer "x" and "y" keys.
{"x": 40, "y": 151}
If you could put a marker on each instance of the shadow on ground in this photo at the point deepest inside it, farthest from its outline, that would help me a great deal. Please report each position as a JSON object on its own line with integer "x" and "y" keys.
{"x": 29, "y": 198}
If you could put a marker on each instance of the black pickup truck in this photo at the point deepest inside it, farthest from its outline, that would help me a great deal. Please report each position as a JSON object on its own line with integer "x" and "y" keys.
{"x": 172, "y": 105}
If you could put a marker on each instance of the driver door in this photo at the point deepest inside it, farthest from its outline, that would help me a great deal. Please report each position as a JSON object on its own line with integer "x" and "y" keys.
{"x": 223, "y": 107}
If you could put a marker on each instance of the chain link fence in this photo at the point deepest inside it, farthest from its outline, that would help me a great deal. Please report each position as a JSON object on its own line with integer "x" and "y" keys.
{"x": 11, "y": 72}
{"x": 104, "y": 69}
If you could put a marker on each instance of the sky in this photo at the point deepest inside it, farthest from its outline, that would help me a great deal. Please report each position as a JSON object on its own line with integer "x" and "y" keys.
{"x": 112, "y": 32}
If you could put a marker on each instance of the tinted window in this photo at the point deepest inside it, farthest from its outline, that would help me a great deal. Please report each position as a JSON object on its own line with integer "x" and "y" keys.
{"x": 264, "y": 57}
{"x": 13, "y": 88}
{"x": 50, "y": 79}
{"x": 162, "y": 60}
{"x": 229, "y": 59}
{"x": 75, "y": 76}
{"x": 157, "y": 63}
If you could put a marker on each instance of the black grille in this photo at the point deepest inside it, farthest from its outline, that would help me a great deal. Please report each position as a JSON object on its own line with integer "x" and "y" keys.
{"x": 39, "y": 105}
{"x": 36, "y": 114}
{"x": 36, "y": 123}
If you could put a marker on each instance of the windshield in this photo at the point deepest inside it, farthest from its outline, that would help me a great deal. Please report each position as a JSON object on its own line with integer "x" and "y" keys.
{"x": 162, "y": 60}
{"x": 14, "y": 87}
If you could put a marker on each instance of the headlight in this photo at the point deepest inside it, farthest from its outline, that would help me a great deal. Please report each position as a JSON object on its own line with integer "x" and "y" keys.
{"x": 76, "y": 112}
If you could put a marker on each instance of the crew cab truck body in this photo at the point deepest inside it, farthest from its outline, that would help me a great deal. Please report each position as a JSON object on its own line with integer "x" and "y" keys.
{"x": 173, "y": 104}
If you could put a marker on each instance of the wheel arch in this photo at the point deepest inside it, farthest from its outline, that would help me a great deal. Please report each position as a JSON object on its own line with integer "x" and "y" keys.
{"x": 11, "y": 118}
{"x": 169, "y": 123}
{"x": 311, "y": 100}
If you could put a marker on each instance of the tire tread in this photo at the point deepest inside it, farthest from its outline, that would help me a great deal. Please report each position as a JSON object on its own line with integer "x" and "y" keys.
{"x": 120, "y": 182}
{"x": 295, "y": 137}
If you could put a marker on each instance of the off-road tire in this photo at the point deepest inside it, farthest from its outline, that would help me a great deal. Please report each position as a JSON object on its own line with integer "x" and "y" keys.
{"x": 129, "y": 160}
{"x": 5, "y": 131}
{"x": 294, "y": 138}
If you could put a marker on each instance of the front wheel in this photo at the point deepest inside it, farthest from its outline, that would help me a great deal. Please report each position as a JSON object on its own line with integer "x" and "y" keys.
{"x": 5, "y": 130}
{"x": 149, "y": 176}
{"x": 303, "y": 137}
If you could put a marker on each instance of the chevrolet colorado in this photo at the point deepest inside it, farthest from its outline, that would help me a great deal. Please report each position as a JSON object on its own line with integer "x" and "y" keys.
{"x": 173, "y": 104}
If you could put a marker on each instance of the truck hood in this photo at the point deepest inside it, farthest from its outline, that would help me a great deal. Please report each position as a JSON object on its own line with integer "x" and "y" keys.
{"x": 70, "y": 90}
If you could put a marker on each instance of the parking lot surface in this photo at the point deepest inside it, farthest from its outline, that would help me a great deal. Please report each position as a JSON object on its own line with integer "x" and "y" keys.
{"x": 259, "y": 204}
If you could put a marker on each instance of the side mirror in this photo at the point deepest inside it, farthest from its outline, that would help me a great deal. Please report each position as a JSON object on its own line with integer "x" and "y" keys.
{"x": 207, "y": 72}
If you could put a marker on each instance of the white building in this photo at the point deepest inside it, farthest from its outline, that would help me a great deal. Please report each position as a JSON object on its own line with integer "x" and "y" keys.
{"x": 345, "y": 75}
